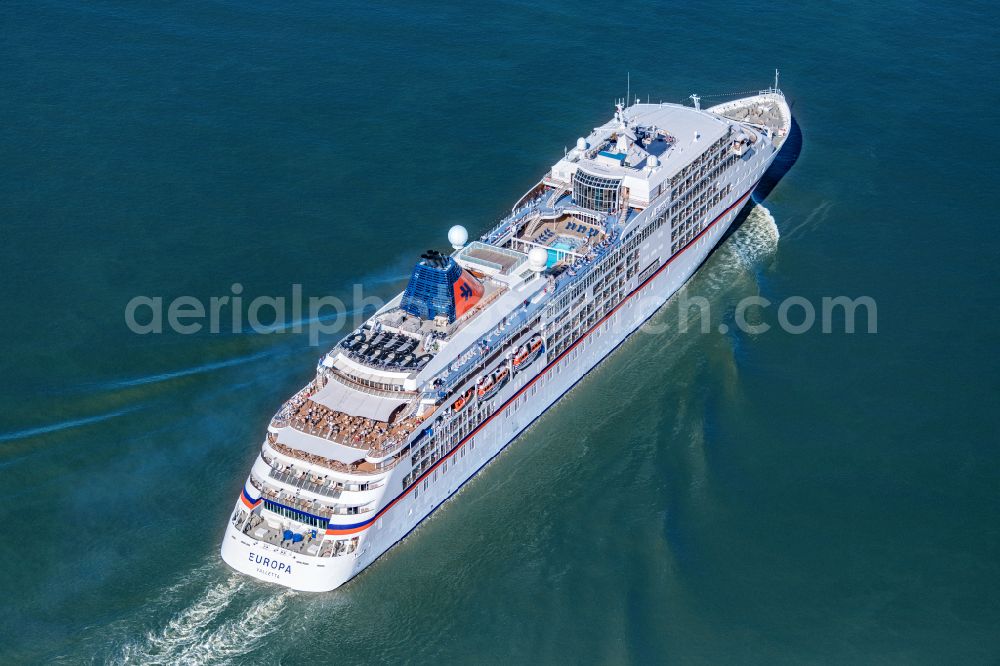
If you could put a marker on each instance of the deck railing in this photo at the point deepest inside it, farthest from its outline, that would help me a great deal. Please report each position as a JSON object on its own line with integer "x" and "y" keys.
{"x": 302, "y": 481}
{"x": 313, "y": 507}
{"x": 359, "y": 468}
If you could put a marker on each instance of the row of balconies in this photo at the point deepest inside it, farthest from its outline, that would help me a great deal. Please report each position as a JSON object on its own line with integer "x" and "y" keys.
{"x": 305, "y": 480}
{"x": 312, "y": 506}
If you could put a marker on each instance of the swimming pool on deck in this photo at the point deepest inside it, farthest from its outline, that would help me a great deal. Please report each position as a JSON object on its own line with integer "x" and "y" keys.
{"x": 558, "y": 246}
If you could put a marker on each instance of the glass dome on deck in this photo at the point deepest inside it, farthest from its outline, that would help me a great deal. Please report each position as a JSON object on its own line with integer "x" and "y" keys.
{"x": 596, "y": 192}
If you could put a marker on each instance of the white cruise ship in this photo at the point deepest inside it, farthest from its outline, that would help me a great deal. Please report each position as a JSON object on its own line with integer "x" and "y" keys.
{"x": 410, "y": 406}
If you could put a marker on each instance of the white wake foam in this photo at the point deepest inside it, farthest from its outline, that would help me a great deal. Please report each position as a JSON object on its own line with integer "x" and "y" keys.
{"x": 185, "y": 628}
{"x": 199, "y": 576}
{"x": 236, "y": 637}
{"x": 198, "y": 634}
{"x": 756, "y": 240}
{"x": 744, "y": 252}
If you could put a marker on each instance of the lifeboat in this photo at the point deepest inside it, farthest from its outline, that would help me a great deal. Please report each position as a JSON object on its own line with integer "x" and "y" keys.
{"x": 463, "y": 400}
{"x": 488, "y": 386}
{"x": 527, "y": 353}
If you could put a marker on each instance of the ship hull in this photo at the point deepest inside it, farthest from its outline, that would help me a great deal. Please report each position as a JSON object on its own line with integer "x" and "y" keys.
{"x": 527, "y": 395}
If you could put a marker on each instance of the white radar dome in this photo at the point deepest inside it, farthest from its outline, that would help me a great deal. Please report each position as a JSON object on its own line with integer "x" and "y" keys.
{"x": 581, "y": 144}
{"x": 538, "y": 257}
{"x": 458, "y": 236}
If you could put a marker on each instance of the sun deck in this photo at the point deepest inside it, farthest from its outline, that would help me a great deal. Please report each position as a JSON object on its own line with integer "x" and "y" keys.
{"x": 305, "y": 421}
{"x": 565, "y": 238}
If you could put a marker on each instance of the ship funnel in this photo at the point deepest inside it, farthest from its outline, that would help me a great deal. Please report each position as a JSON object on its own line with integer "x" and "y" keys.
{"x": 439, "y": 286}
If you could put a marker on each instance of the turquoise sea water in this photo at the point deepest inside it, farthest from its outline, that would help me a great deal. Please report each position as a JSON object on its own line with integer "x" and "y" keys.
{"x": 700, "y": 498}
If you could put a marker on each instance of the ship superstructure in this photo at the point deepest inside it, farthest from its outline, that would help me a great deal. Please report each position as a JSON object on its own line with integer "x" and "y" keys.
{"x": 408, "y": 407}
